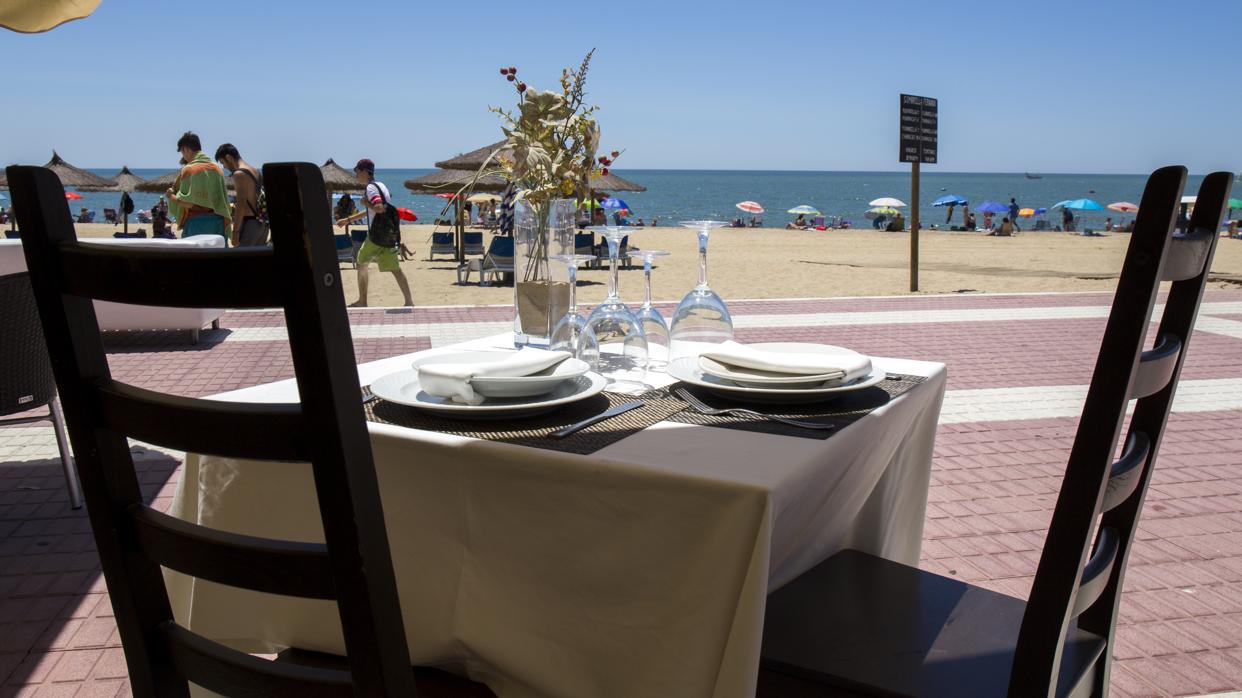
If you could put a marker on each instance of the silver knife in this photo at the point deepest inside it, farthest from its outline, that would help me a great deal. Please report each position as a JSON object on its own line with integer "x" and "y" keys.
{"x": 606, "y": 414}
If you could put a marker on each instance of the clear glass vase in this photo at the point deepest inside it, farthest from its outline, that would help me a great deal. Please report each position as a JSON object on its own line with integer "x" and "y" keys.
{"x": 541, "y": 230}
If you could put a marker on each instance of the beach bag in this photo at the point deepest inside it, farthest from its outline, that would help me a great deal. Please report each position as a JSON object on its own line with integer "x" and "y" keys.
{"x": 385, "y": 227}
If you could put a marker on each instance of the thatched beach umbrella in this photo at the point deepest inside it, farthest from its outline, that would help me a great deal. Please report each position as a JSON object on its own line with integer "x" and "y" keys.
{"x": 71, "y": 176}
{"x": 474, "y": 159}
{"x": 121, "y": 181}
{"x": 337, "y": 178}
{"x": 450, "y": 182}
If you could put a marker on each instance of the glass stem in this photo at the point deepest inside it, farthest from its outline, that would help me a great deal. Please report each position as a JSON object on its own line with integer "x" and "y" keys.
{"x": 573, "y": 288}
{"x": 702, "y": 259}
{"x": 613, "y": 268}
{"x": 647, "y": 273}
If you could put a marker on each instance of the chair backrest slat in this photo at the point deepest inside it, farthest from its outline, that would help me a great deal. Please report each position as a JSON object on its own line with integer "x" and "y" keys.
{"x": 256, "y": 431}
{"x": 171, "y": 277}
{"x": 1156, "y": 367}
{"x": 222, "y": 670}
{"x": 269, "y": 565}
{"x": 1099, "y": 501}
{"x": 300, "y": 274}
{"x": 1123, "y": 477}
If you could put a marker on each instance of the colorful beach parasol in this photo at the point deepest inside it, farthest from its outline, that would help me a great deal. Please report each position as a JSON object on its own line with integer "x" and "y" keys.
{"x": 803, "y": 210}
{"x": 992, "y": 207}
{"x": 446, "y": 195}
{"x": 1123, "y": 206}
{"x": 72, "y": 195}
{"x": 614, "y": 202}
{"x": 950, "y": 200}
{"x": 884, "y": 211}
{"x": 888, "y": 201}
{"x": 1026, "y": 212}
{"x": 1083, "y": 205}
{"x": 750, "y": 206}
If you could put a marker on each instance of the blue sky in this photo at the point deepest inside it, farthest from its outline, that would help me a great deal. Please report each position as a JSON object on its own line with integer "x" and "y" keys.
{"x": 1085, "y": 86}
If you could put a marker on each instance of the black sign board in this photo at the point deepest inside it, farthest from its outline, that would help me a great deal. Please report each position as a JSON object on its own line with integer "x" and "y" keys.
{"x": 918, "y": 129}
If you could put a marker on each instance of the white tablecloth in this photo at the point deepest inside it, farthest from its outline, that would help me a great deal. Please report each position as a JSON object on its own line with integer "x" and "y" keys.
{"x": 640, "y": 570}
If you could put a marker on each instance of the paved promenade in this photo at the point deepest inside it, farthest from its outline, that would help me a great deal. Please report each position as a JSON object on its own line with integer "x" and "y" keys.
{"x": 1018, "y": 369}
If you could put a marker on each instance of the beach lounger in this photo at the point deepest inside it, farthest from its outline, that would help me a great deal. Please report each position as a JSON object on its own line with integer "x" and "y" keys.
{"x": 345, "y": 253}
{"x": 498, "y": 260}
{"x": 818, "y": 223}
{"x": 474, "y": 243}
{"x": 442, "y": 243}
{"x": 111, "y": 217}
{"x": 584, "y": 243}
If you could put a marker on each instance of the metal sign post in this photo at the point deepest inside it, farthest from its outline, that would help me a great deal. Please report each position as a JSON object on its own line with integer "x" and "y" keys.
{"x": 919, "y": 132}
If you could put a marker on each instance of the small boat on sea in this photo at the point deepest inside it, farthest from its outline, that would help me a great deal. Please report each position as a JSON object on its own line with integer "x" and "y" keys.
{"x": 1033, "y": 175}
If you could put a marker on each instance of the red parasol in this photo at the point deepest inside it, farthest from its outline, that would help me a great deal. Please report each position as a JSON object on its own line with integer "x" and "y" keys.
{"x": 72, "y": 195}
{"x": 406, "y": 214}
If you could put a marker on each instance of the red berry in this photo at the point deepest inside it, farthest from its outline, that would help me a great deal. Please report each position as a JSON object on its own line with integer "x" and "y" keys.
{"x": 616, "y": 153}
{"x": 603, "y": 159}
{"x": 521, "y": 87}
{"x": 504, "y": 71}
{"x": 510, "y": 77}
{"x": 512, "y": 70}
{"x": 604, "y": 171}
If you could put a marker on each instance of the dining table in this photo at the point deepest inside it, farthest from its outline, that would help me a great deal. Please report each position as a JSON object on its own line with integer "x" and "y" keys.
{"x": 640, "y": 568}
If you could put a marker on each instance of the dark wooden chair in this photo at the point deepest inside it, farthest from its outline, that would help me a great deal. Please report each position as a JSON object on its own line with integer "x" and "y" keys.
{"x": 860, "y": 625}
{"x": 26, "y": 381}
{"x": 326, "y": 429}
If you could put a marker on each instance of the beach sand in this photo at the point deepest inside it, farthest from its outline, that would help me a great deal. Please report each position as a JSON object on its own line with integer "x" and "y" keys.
{"x": 773, "y": 263}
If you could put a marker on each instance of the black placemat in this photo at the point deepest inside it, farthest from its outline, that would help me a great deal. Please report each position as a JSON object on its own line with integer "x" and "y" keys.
{"x": 533, "y": 431}
{"x": 848, "y": 408}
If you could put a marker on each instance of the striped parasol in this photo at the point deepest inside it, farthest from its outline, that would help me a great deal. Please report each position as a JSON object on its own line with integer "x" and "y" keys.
{"x": 750, "y": 206}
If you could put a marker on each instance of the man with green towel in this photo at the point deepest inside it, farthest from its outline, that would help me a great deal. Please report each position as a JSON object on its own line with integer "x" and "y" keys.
{"x": 199, "y": 199}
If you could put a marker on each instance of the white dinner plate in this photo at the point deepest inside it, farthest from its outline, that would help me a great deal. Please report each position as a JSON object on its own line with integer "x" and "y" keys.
{"x": 403, "y": 388}
{"x": 756, "y": 378}
{"x": 687, "y": 369}
{"x": 539, "y": 383}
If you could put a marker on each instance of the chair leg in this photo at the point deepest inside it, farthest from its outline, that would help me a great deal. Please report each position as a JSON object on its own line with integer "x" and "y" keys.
{"x": 215, "y": 324}
{"x": 66, "y": 458}
{"x": 193, "y": 336}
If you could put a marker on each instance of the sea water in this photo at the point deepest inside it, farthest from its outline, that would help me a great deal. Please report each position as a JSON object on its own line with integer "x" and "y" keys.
{"x": 675, "y": 195}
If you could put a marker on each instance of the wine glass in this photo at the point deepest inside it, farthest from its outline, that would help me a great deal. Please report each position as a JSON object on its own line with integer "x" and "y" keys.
{"x": 653, "y": 322}
{"x": 614, "y": 342}
{"x": 567, "y": 334}
{"x": 702, "y": 316}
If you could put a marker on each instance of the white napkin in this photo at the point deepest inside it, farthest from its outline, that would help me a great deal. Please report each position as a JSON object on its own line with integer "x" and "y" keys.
{"x": 846, "y": 367}
{"x": 453, "y": 380}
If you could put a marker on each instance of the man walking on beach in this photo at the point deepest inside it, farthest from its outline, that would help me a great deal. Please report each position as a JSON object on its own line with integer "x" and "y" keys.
{"x": 384, "y": 237}
{"x": 248, "y": 227}
{"x": 1013, "y": 212}
{"x": 199, "y": 199}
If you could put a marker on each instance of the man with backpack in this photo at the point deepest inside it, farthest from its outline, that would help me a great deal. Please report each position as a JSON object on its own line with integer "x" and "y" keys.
{"x": 384, "y": 237}
{"x": 249, "y": 230}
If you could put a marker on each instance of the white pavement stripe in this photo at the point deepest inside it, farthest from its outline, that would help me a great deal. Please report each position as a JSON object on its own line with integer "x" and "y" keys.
{"x": 1054, "y": 401}
{"x": 442, "y": 333}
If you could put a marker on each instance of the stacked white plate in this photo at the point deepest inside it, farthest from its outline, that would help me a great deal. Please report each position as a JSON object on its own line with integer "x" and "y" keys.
{"x": 504, "y": 396}
{"x": 754, "y": 385}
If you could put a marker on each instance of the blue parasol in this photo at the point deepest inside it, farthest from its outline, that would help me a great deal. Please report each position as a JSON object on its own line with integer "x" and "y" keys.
{"x": 992, "y": 207}
{"x": 614, "y": 202}
{"x": 1083, "y": 205}
{"x": 950, "y": 200}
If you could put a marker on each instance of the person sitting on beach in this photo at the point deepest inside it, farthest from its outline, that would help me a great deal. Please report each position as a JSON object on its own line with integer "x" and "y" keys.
{"x": 84, "y": 216}
{"x": 755, "y": 222}
{"x": 1232, "y": 230}
{"x": 655, "y": 222}
{"x": 384, "y": 237}
{"x": 1067, "y": 220}
{"x": 896, "y": 225}
{"x": 199, "y": 198}
{"x": 987, "y": 220}
{"x": 1005, "y": 229}
{"x": 1108, "y": 224}
{"x": 640, "y": 223}
{"x": 798, "y": 223}
{"x": 159, "y": 219}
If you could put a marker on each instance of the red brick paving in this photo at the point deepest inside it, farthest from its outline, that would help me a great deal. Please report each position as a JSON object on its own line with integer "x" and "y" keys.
{"x": 993, "y": 486}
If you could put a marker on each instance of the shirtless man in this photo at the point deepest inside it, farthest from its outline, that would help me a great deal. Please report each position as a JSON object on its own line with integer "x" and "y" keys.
{"x": 248, "y": 227}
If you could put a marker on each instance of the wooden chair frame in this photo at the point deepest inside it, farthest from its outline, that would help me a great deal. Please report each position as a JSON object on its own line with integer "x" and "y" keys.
{"x": 326, "y": 429}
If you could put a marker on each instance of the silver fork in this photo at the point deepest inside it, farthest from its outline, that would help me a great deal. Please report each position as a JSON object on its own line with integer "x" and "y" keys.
{"x": 702, "y": 408}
